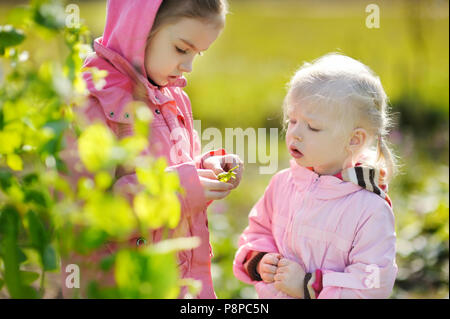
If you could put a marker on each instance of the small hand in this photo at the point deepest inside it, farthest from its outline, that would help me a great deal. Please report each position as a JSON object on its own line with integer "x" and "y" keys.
{"x": 267, "y": 267}
{"x": 224, "y": 163}
{"x": 213, "y": 189}
{"x": 289, "y": 278}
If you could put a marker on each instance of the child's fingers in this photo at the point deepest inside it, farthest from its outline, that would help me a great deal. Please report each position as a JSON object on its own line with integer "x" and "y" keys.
{"x": 229, "y": 161}
{"x": 267, "y": 278}
{"x": 207, "y": 173}
{"x": 214, "y": 165}
{"x": 283, "y": 262}
{"x": 282, "y": 269}
{"x": 267, "y": 268}
{"x": 214, "y": 195}
{"x": 271, "y": 259}
{"x": 278, "y": 277}
{"x": 215, "y": 185}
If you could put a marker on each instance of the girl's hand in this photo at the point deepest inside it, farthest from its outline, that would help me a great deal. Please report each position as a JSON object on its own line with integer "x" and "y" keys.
{"x": 267, "y": 267}
{"x": 213, "y": 189}
{"x": 223, "y": 163}
{"x": 289, "y": 278}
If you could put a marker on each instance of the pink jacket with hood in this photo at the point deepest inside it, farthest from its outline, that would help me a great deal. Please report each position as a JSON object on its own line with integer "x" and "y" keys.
{"x": 121, "y": 51}
{"x": 325, "y": 223}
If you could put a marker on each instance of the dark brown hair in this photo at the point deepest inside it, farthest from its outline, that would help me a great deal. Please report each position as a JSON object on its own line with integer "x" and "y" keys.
{"x": 172, "y": 10}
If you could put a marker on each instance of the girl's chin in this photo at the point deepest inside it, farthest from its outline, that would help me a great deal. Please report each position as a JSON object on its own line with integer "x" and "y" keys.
{"x": 300, "y": 161}
{"x": 157, "y": 82}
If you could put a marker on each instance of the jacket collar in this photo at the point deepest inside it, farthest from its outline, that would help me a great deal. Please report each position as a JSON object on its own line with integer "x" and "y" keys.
{"x": 116, "y": 94}
{"x": 343, "y": 183}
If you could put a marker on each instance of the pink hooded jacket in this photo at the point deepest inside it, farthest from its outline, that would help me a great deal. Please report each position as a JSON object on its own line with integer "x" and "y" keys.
{"x": 323, "y": 222}
{"x": 121, "y": 52}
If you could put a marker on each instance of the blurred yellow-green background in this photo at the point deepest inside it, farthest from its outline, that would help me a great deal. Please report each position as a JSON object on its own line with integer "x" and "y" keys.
{"x": 240, "y": 82}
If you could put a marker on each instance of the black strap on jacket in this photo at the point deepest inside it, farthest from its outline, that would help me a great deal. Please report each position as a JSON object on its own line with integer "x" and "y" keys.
{"x": 253, "y": 265}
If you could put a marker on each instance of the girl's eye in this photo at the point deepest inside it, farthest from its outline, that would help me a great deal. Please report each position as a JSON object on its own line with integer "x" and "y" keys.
{"x": 313, "y": 129}
{"x": 180, "y": 50}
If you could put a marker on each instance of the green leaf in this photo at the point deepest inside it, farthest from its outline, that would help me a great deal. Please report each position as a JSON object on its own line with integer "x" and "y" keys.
{"x": 49, "y": 14}
{"x": 28, "y": 292}
{"x": 49, "y": 258}
{"x": 94, "y": 291}
{"x": 21, "y": 255}
{"x": 107, "y": 263}
{"x": 14, "y": 141}
{"x": 111, "y": 214}
{"x": 14, "y": 161}
{"x": 2, "y": 120}
{"x": 103, "y": 180}
{"x": 38, "y": 236}
{"x": 93, "y": 156}
{"x": 28, "y": 277}
{"x": 225, "y": 177}
{"x": 90, "y": 238}
{"x": 10, "y": 36}
{"x": 35, "y": 196}
{"x": 144, "y": 274}
{"x": 146, "y": 209}
{"x": 57, "y": 126}
{"x": 5, "y": 179}
{"x": 31, "y": 178}
{"x": 9, "y": 227}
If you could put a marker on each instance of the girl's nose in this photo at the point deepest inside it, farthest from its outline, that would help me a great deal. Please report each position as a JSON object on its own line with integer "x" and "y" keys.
{"x": 298, "y": 138}
{"x": 186, "y": 67}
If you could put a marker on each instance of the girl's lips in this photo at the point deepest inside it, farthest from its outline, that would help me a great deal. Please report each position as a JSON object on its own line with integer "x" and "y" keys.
{"x": 295, "y": 153}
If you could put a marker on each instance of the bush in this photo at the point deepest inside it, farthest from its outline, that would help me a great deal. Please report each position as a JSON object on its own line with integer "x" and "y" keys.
{"x": 42, "y": 216}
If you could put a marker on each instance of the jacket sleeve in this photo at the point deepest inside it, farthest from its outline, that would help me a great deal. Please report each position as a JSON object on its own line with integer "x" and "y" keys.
{"x": 127, "y": 185}
{"x": 372, "y": 269}
{"x": 192, "y": 200}
{"x": 257, "y": 236}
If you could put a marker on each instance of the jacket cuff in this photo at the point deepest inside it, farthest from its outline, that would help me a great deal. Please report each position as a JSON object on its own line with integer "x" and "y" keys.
{"x": 313, "y": 284}
{"x": 252, "y": 266}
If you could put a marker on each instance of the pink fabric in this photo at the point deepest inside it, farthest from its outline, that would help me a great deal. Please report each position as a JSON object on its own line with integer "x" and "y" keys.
{"x": 323, "y": 223}
{"x": 121, "y": 52}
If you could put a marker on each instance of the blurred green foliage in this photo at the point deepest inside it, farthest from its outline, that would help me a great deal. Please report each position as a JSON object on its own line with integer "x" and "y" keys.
{"x": 240, "y": 82}
{"x": 42, "y": 216}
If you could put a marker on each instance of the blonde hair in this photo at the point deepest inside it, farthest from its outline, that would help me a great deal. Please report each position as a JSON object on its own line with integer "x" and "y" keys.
{"x": 354, "y": 92}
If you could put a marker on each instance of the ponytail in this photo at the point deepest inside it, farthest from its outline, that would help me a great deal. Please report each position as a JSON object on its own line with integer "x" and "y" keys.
{"x": 385, "y": 159}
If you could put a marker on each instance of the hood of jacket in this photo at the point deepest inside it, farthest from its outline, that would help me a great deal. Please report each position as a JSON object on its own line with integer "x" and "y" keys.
{"x": 121, "y": 52}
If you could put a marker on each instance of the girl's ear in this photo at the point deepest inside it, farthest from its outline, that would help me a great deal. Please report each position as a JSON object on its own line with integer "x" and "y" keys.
{"x": 357, "y": 140}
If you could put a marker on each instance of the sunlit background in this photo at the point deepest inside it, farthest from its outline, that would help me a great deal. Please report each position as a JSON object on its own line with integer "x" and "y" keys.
{"x": 240, "y": 82}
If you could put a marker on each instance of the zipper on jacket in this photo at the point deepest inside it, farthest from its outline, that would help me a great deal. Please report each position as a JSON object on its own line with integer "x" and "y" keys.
{"x": 312, "y": 186}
